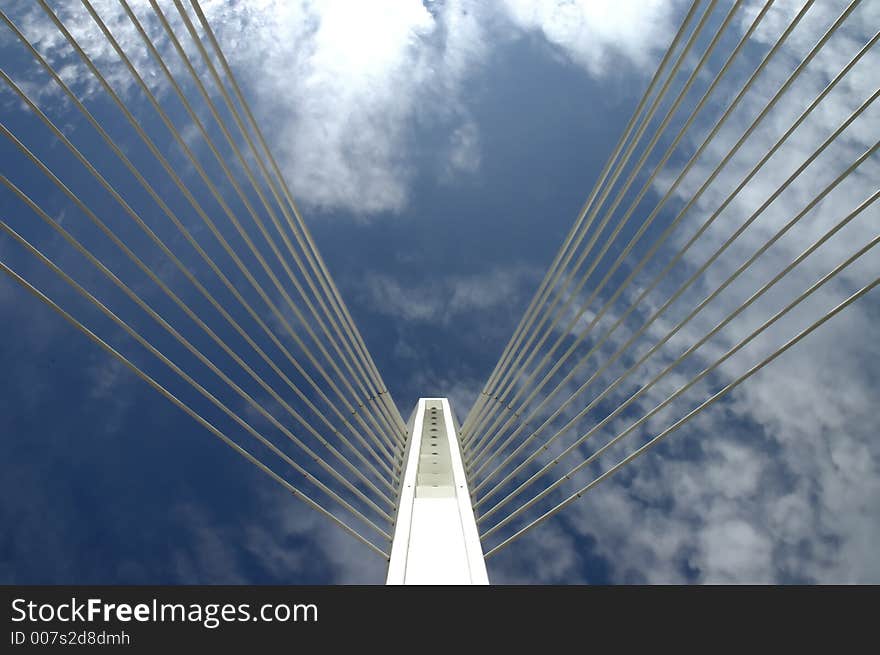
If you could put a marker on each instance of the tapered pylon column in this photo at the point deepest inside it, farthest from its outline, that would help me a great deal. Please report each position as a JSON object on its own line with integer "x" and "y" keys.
{"x": 435, "y": 534}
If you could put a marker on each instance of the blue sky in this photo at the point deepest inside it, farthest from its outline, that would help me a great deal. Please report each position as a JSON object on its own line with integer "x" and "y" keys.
{"x": 439, "y": 152}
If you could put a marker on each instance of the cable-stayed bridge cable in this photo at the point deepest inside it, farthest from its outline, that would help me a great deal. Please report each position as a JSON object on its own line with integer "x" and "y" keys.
{"x": 200, "y": 211}
{"x": 646, "y": 387}
{"x": 773, "y": 50}
{"x": 371, "y": 392}
{"x": 251, "y": 210}
{"x": 561, "y": 258}
{"x": 254, "y": 214}
{"x": 712, "y": 399}
{"x": 668, "y": 230}
{"x": 151, "y": 234}
{"x": 531, "y": 348}
{"x": 192, "y": 413}
{"x": 684, "y": 286}
{"x": 195, "y": 351}
{"x": 527, "y": 385}
{"x": 323, "y": 305}
{"x": 300, "y": 227}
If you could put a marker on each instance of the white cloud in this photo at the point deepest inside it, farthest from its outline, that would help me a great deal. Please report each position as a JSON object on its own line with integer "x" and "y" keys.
{"x": 444, "y": 299}
{"x": 283, "y": 542}
{"x": 464, "y": 152}
{"x": 593, "y": 32}
{"x": 349, "y": 80}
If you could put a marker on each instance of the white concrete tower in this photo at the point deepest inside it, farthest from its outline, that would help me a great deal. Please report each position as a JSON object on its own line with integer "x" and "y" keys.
{"x": 435, "y": 535}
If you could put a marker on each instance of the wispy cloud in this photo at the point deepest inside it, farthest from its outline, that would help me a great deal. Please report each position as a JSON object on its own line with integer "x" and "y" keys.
{"x": 593, "y": 32}
{"x": 342, "y": 84}
{"x": 446, "y": 298}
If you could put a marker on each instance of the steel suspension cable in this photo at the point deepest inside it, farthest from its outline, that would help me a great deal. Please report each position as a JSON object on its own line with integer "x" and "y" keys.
{"x": 114, "y": 43}
{"x": 204, "y": 392}
{"x": 240, "y": 229}
{"x": 690, "y": 415}
{"x": 194, "y": 350}
{"x": 83, "y": 160}
{"x": 188, "y": 410}
{"x": 308, "y": 245}
{"x": 574, "y": 294}
{"x": 668, "y": 230}
{"x": 238, "y": 121}
{"x": 200, "y": 211}
{"x": 300, "y": 229}
{"x": 563, "y": 255}
{"x": 657, "y": 313}
{"x": 489, "y": 440}
{"x": 254, "y": 215}
{"x": 560, "y": 260}
{"x": 194, "y": 117}
{"x": 644, "y": 388}
{"x": 506, "y": 383}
